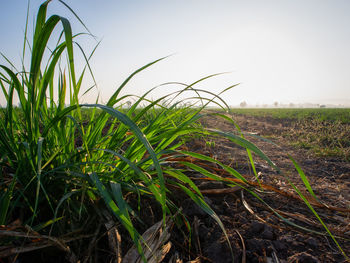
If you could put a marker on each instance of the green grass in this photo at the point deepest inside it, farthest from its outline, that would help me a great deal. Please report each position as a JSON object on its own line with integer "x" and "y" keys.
{"x": 64, "y": 165}
{"x": 60, "y": 161}
{"x": 322, "y": 114}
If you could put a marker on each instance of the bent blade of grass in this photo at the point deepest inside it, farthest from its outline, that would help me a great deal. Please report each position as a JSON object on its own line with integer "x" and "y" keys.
{"x": 46, "y": 224}
{"x": 39, "y": 46}
{"x": 307, "y": 184}
{"x": 252, "y": 165}
{"x": 112, "y": 205}
{"x": 62, "y": 200}
{"x": 135, "y": 236}
{"x": 185, "y": 179}
{"x": 202, "y": 171}
{"x": 142, "y": 138}
{"x": 25, "y": 34}
{"x": 77, "y": 17}
{"x": 168, "y": 138}
{"x": 87, "y": 59}
{"x": 4, "y": 91}
{"x": 112, "y": 99}
{"x": 40, "y": 19}
{"x": 248, "y": 151}
{"x": 245, "y": 144}
{"x": 14, "y": 83}
{"x": 69, "y": 42}
{"x": 190, "y": 87}
{"x": 319, "y": 219}
{"x": 152, "y": 187}
{"x": 116, "y": 192}
{"x": 9, "y": 61}
{"x": 284, "y": 220}
{"x": 303, "y": 178}
{"x": 48, "y": 76}
{"x": 209, "y": 159}
{"x": 229, "y": 119}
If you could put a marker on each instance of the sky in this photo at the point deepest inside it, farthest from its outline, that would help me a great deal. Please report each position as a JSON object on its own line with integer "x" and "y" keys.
{"x": 285, "y": 51}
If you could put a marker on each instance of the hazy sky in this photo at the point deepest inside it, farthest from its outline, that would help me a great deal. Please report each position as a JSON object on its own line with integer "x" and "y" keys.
{"x": 279, "y": 50}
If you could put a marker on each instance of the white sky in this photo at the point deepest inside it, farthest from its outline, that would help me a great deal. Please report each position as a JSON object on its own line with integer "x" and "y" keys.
{"x": 283, "y": 50}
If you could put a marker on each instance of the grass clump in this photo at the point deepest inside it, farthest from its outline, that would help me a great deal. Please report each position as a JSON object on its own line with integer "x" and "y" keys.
{"x": 60, "y": 162}
{"x": 67, "y": 168}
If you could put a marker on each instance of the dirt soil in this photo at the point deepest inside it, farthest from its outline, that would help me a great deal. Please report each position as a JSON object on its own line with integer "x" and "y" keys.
{"x": 256, "y": 234}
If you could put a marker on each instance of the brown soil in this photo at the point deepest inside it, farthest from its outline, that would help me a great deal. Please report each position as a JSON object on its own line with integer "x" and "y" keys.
{"x": 256, "y": 234}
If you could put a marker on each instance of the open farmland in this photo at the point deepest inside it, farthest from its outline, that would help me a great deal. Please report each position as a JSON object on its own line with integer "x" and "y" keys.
{"x": 341, "y": 115}
{"x": 157, "y": 180}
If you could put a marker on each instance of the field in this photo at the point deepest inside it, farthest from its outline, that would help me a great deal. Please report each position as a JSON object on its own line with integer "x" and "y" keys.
{"x": 341, "y": 115}
{"x": 160, "y": 180}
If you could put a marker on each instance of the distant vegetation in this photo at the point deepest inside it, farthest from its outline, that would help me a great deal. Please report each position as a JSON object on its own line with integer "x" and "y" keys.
{"x": 322, "y": 114}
